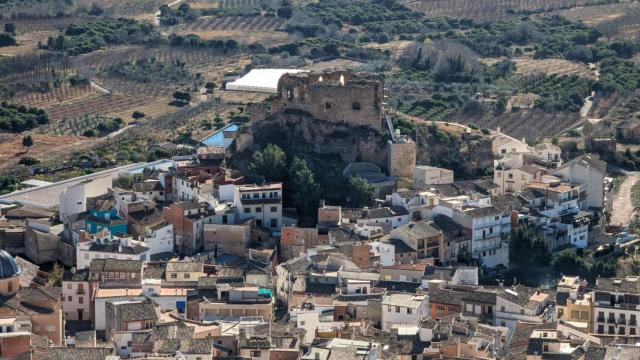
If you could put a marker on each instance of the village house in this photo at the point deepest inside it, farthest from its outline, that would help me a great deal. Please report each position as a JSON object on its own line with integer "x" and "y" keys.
{"x": 456, "y": 240}
{"x": 417, "y": 203}
{"x": 115, "y": 273}
{"x": 40, "y": 307}
{"x": 159, "y": 239}
{"x": 295, "y": 241}
{"x": 103, "y": 246}
{"x": 130, "y": 316}
{"x": 42, "y": 241}
{"x": 188, "y": 220}
{"x": 521, "y": 303}
{"x": 104, "y": 217}
{"x": 262, "y": 203}
{"x": 403, "y": 309}
{"x": 489, "y": 227}
{"x": 548, "y": 152}
{"x": 628, "y": 131}
{"x": 405, "y": 276}
{"x": 422, "y": 236}
{"x": 76, "y": 295}
{"x": 588, "y": 170}
{"x": 101, "y": 296}
{"x": 424, "y": 176}
{"x": 574, "y": 302}
{"x": 388, "y": 218}
{"x": 614, "y": 307}
{"x": 514, "y": 179}
{"x": 150, "y": 189}
{"x": 183, "y": 272}
{"x": 290, "y": 277}
{"x": 232, "y": 239}
{"x": 232, "y": 303}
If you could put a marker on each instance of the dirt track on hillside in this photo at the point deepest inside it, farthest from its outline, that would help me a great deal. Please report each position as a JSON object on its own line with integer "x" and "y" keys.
{"x": 622, "y": 209}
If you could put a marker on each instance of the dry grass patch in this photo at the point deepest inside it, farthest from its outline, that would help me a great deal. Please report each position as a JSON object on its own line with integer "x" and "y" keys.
{"x": 615, "y": 21}
{"x": 526, "y": 66}
{"x": 44, "y": 147}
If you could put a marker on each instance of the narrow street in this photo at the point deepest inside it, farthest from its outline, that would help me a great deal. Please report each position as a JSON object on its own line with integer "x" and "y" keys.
{"x": 622, "y": 209}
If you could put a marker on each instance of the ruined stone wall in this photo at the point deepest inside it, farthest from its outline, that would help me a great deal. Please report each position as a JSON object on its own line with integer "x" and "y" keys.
{"x": 360, "y": 256}
{"x": 336, "y": 97}
{"x": 401, "y": 159}
{"x": 294, "y": 241}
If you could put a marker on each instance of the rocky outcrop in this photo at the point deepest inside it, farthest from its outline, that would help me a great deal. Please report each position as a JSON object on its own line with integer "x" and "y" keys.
{"x": 300, "y": 133}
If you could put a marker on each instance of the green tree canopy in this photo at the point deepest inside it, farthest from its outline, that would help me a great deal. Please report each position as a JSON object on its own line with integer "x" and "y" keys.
{"x": 7, "y": 40}
{"x": 305, "y": 190}
{"x": 271, "y": 163}
{"x": 526, "y": 249}
{"x": 27, "y": 141}
{"x": 138, "y": 115}
{"x": 361, "y": 193}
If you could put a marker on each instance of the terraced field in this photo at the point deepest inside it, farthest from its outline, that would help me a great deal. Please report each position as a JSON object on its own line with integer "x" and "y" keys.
{"x": 116, "y": 105}
{"x": 126, "y": 8}
{"x": 209, "y": 23}
{"x": 209, "y": 63}
{"x": 489, "y": 9}
{"x": 30, "y": 25}
{"x": 237, "y": 3}
{"x": 41, "y": 73}
{"x": 529, "y": 124}
{"x": 260, "y": 29}
{"x": 66, "y": 105}
{"x": 55, "y": 96}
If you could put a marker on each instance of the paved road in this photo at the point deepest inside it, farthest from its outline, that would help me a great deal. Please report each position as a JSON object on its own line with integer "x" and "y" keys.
{"x": 622, "y": 208}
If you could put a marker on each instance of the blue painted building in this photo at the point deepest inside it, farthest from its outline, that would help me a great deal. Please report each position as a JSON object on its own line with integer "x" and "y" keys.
{"x": 105, "y": 217}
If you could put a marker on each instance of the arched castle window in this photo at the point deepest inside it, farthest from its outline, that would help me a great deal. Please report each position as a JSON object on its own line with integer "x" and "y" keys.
{"x": 290, "y": 94}
{"x": 327, "y": 105}
{"x": 355, "y": 106}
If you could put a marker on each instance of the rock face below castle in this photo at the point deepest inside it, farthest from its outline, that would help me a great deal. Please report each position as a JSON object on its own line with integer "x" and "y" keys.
{"x": 340, "y": 97}
{"x": 302, "y": 133}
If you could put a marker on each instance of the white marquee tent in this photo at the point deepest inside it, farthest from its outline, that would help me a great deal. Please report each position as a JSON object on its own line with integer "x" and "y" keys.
{"x": 261, "y": 80}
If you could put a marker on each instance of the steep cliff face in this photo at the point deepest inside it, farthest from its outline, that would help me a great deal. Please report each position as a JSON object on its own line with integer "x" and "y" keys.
{"x": 468, "y": 155}
{"x": 305, "y": 136}
{"x": 329, "y": 147}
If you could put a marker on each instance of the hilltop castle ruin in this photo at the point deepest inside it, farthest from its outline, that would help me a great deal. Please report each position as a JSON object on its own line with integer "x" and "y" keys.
{"x": 341, "y": 97}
